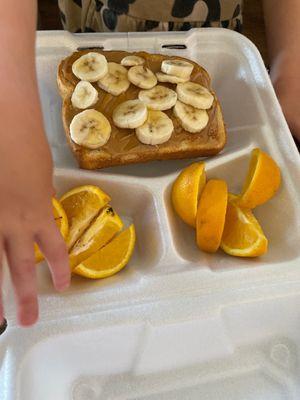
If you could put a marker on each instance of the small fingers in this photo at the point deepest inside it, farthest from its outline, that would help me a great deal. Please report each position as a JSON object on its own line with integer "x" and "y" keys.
{"x": 54, "y": 249}
{"x": 20, "y": 257}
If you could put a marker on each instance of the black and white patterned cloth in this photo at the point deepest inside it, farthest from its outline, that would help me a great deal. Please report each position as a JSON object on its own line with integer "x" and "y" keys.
{"x": 149, "y": 15}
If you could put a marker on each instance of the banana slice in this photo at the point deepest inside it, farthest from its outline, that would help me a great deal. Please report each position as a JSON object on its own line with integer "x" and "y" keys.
{"x": 180, "y": 68}
{"x": 90, "y": 129}
{"x": 157, "y": 129}
{"x": 142, "y": 77}
{"x": 115, "y": 81}
{"x": 130, "y": 114}
{"x": 131, "y": 61}
{"x": 90, "y": 67}
{"x": 191, "y": 119}
{"x": 84, "y": 95}
{"x": 195, "y": 95}
{"x": 158, "y": 98}
{"x": 161, "y": 77}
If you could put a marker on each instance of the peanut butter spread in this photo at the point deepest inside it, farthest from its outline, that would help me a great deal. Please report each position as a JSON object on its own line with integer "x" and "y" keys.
{"x": 124, "y": 141}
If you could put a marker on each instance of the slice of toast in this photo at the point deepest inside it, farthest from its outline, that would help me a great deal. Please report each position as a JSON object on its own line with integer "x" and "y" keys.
{"x": 123, "y": 146}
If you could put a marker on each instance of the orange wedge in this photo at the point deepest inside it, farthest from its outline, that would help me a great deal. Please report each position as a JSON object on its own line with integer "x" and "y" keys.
{"x": 211, "y": 215}
{"x": 110, "y": 259}
{"x": 82, "y": 204}
{"x": 61, "y": 222}
{"x": 262, "y": 182}
{"x": 186, "y": 190}
{"x": 242, "y": 236}
{"x": 97, "y": 235}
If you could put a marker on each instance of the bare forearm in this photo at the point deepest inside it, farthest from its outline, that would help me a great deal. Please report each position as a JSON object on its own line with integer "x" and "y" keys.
{"x": 19, "y": 99}
{"x": 17, "y": 42}
{"x": 283, "y": 32}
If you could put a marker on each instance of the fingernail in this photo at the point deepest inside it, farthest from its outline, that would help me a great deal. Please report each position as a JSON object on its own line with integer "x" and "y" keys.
{"x": 3, "y": 326}
{"x": 28, "y": 319}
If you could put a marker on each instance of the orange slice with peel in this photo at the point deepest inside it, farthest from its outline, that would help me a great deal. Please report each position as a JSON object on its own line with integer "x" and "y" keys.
{"x": 186, "y": 190}
{"x": 62, "y": 224}
{"x": 97, "y": 235}
{"x": 242, "y": 236}
{"x": 110, "y": 259}
{"x": 262, "y": 182}
{"x": 211, "y": 215}
{"x": 82, "y": 204}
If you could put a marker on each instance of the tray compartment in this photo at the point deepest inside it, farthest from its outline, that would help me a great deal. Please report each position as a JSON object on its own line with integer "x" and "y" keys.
{"x": 168, "y": 355}
{"x": 135, "y": 203}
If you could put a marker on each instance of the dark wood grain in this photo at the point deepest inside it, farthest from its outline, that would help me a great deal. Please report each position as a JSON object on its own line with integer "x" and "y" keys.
{"x": 254, "y": 26}
{"x": 49, "y": 15}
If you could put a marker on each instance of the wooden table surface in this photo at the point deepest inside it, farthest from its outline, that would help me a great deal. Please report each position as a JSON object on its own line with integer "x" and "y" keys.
{"x": 253, "y": 21}
{"x": 254, "y": 26}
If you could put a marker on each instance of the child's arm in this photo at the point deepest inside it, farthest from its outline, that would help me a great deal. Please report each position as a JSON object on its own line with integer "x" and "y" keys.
{"x": 283, "y": 34}
{"x": 25, "y": 164}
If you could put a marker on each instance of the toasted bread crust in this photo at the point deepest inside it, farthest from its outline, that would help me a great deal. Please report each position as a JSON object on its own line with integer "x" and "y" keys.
{"x": 183, "y": 145}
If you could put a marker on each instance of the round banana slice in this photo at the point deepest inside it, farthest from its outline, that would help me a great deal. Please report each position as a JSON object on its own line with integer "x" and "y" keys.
{"x": 90, "y": 129}
{"x": 130, "y": 114}
{"x": 180, "y": 68}
{"x": 157, "y": 129}
{"x": 90, "y": 67}
{"x": 195, "y": 95}
{"x": 142, "y": 77}
{"x": 131, "y": 61}
{"x": 84, "y": 95}
{"x": 158, "y": 98}
{"x": 161, "y": 77}
{"x": 191, "y": 119}
{"x": 115, "y": 81}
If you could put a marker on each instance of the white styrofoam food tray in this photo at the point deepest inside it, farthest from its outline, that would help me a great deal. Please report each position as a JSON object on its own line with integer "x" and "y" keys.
{"x": 176, "y": 323}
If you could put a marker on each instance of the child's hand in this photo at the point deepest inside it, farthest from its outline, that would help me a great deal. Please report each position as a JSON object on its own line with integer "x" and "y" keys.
{"x": 25, "y": 165}
{"x": 26, "y": 215}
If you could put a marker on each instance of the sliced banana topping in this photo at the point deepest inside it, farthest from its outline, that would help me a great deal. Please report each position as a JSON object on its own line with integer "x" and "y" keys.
{"x": 191, "y": 119}
{"x": 84, "y": 95}
{"x": 195, "y": 95}
{"x": 157, "y": 129}
{"x": 130, "y": 114}
{"x": 158, "y": 98}
{"x": 90, "y": 67}
{"x": 180, "y": 68}
{"x": 115, "y": 81}
{"x": 131, "y": 61}
{"x": 142, "y": 77}
{"x": 161, "y": 77}
{"x": 90, "y": 129}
